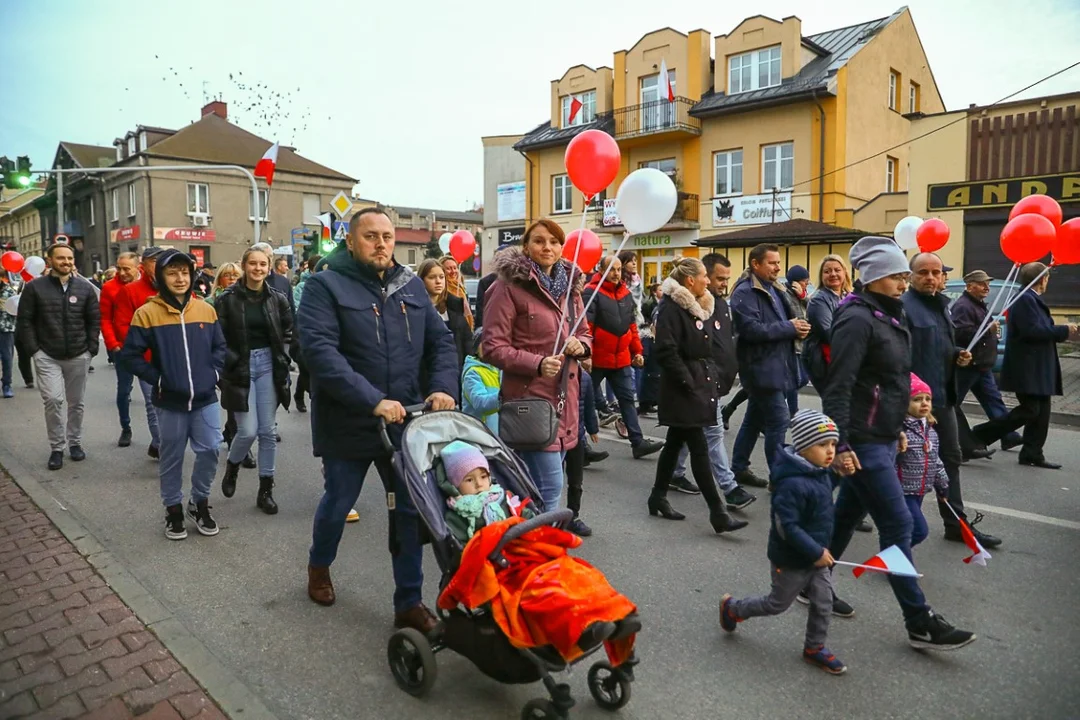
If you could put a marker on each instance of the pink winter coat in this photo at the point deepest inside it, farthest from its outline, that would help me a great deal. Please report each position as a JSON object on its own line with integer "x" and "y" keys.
{"x": 520, "y": 322}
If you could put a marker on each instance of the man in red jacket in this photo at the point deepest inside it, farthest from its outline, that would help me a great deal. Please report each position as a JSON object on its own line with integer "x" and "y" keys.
{"x": 617, "y": 347}
{"x": 128, "y": 298}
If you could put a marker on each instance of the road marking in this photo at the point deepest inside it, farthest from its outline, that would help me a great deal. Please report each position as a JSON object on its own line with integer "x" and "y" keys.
{"x": 1008, "y": 512}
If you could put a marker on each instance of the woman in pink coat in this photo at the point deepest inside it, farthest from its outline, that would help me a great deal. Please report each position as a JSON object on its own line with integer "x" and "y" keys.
{"x": 522, "y": 313}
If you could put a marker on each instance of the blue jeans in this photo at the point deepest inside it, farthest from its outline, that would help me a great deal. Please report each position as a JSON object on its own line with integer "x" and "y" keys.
{"x": 341, "y": 487}
{"x": 766, "y": 412}
{"x": 202, "y": 428}
{"x": 7, "y": 352}
{"x": 546, "y": 470}
{"x": 876, "y": 489}
{"x": 982, "y": 384}
{"x": 919, "y": 529}
{"x": 124, "y": 381}
{"x": 260, "y": 419}
{"x": 718, "y": 457}
{"x": 622, "y": 382}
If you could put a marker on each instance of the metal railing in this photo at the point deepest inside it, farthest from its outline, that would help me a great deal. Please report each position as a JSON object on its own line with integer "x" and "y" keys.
{"x": 656, "y": 117}
{"x": 688, "y": 208}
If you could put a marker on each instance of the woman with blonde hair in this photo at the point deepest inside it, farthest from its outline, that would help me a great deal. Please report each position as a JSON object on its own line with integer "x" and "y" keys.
{"x": 455, "y": 287}
{"x": 688, "y": 392}
{"x": 226, "y": 277}
{"x": 834, "y": 284}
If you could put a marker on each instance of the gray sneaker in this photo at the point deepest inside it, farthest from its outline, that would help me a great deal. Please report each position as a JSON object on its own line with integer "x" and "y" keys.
{"x": 680, "y": 483}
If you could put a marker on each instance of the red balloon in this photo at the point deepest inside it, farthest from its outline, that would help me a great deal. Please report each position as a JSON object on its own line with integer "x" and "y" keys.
{"x": 1066, "y": 245}
{"x": 592, "y": 161}
{"x": 591, "y": 249}
{"x": 462, "y": 245}
{"x": 12, "y": 261}
{"x": 1027, "y": 238}
{"x": 932, "y": 235}
{"x": 1038, "y": 205}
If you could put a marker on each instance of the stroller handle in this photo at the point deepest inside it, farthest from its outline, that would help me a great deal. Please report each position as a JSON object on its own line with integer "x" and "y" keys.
{"x": 558, "y": 518}
{"x": 385, "y": 436}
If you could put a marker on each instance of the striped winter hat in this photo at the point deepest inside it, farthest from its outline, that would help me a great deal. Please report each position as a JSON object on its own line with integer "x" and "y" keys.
{"x": 810, "y": 427}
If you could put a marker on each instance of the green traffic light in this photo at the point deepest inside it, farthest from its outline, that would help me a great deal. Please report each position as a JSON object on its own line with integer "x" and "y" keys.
{"x": 24, "y": 180}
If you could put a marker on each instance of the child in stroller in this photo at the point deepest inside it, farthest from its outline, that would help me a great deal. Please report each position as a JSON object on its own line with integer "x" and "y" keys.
{"x": 512, "y": 599}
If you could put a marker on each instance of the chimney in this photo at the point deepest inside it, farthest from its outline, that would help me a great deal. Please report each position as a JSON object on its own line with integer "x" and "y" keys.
{"x": 215, "y": 107}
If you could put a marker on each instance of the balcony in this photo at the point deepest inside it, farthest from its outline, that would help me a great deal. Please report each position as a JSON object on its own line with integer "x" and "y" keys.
{"x": 654, "y": 118}
{"x": 685, "y": 217}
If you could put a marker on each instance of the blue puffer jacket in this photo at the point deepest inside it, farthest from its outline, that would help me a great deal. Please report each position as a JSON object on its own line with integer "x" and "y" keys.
{"x": 766, "y": 344}
{"x": 364, "y": 339}
{"x": 802, "y": 511}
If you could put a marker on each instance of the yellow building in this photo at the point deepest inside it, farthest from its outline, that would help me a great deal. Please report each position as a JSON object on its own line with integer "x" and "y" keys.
{"x": 763, "y": 129}
{"x": 20, "y": 229}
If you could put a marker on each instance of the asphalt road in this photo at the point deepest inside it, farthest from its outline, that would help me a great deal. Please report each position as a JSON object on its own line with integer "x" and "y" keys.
{"x": 242, "y": 593}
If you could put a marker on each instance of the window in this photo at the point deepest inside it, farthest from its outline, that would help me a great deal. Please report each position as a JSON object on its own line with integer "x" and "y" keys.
{"x": 90, "y": 211}
{"x": 666, "y": 166}
{"x": 657, "y": 111}
{"x": 132, "y": 147}
{"x": 778, "y": 167}
{"x": 894, "y": 83}
{"x": 913, "y": 97}
{"x": 597, "y": 202}
{"x": 412, "y": 256}
{"x": 585, "y": 115}
{"x": 890, "y": 174}
{"x": 198, "y": 198}
{"x": 311, "y": 209}
{"x": 142, "y": 140}
{"x": 264, "y": 209}
{"x": 754, "y": 70}
{"x": 119, "y": 152}
{"x": 728, "y": 172}
{"x": 115, "y": 205}
{"x": 562, "y": 199}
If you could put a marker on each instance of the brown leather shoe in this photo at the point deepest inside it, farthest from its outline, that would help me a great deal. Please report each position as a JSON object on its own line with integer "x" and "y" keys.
{"x": 319, "y": 586}
{"x": 418, "y": 618}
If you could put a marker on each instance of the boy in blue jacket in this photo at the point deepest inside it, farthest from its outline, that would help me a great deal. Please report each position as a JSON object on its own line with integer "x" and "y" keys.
{"x": 176, "y": 346}
{"x": 799, "y": 536}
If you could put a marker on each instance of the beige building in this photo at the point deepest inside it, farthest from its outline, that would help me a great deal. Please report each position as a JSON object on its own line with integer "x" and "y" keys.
{"x": 19, "y": 222}
{"x": 763, "y": 124}
{"x": 504, "y": 194}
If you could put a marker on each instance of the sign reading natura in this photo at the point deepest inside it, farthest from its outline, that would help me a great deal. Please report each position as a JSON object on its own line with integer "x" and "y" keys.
{"x": 1064, "y": 187}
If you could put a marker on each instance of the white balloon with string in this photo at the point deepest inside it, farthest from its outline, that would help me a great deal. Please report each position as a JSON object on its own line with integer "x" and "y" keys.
{"x": 11, "y": 305}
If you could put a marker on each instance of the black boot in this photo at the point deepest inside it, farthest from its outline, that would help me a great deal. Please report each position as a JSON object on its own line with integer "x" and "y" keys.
{"x": 228, "y": 483}
{"x": 265, "y": 501}
{"x": 722, "y": 522}
{"x": 659, "y": 505}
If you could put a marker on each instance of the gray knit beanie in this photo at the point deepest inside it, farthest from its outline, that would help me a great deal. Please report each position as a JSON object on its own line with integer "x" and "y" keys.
{"x": 810, "y": 427}
{"x": 877, "y": 257}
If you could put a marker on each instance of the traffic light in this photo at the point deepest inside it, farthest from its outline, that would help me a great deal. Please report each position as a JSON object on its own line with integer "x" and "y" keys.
{"x": 22, "y": 171}
{"x": 16, "y": 176}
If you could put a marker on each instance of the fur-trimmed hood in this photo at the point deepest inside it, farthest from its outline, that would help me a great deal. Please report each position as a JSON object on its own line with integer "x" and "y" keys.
{"x": 512, "y": 266}
{"x": 701, "y": 308}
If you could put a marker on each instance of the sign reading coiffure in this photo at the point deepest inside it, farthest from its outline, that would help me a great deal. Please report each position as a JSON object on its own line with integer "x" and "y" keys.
{"x": 185, "y": 234}
{"x": 751, "y": 209}
{"x": 1064, "y": 187}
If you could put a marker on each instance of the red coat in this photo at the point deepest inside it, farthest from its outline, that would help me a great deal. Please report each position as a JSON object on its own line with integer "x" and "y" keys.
{"x": 612, "y": 321}
{"x": 134, "y": 296}
{"x": 520, "y": 322}
{"x": 108, "y": 301}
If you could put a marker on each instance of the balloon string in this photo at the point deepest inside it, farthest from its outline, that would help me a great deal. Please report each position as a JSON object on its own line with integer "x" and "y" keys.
{"x": 1030, "y": 285}
{"x": 564, "y": 307}
{"x": 585, "y": 310}
{"x": 1005, "y": 295}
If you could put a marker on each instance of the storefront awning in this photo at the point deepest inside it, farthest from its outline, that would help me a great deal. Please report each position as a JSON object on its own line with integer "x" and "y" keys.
{"x": 791, "y": 232}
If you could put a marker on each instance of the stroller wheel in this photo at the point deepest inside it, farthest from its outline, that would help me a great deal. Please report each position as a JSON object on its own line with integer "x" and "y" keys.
{"x": 540, "y": 709}
{"x": 412, "y": 661}
{"x": 610, "y": 688}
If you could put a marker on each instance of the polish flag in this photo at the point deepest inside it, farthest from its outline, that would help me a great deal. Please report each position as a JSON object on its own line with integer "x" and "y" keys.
{"x": 575, "y": 108}
{"x": 890, "y": 560}
{"x": 665, "y": 82}
{"x": 265, "y": 167}
{"x": 325, "y": 219}
{"x": 980, "y": 555}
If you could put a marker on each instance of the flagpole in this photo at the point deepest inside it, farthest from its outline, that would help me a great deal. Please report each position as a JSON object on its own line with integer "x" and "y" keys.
{"x": 570, "y": 281}
{"x": 585, "y": 310}
{"x": 993, "y": 311}
{"x": 873, "y": 568}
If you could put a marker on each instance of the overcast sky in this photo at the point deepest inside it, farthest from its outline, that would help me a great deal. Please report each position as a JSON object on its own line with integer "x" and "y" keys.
{"x": 398, "y": 94}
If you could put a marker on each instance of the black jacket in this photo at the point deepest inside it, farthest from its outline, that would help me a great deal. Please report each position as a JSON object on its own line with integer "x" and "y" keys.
{"x": 1031, "y": 364}
{"x": 459, "y": 328}
{"x": 236, "y": 378}
{"x": 481, "y": 288}
{"x": 967, "y": 315}
{"x": 869, "y": 383}
{"x": 684, "y": 350}
{"x": 283, "y": 286}
{"x": 204, "y": 285}
{"x": 723, "y": 346}
{"x": 819, "y": 313}
{"x": 62, "y": 324}
{"x": 933, "y": 344}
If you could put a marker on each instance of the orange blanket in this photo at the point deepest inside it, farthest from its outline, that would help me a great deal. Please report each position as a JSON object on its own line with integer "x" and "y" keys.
{"x": 545, "y": 596}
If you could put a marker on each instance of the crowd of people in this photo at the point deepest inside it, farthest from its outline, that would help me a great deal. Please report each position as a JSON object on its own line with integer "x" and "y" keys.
{"x": 368, "y": 337}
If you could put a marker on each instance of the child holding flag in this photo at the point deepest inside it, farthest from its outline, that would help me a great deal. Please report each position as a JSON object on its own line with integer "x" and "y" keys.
{"x": 918, "y": 463}
{"x": 799, "y": 535}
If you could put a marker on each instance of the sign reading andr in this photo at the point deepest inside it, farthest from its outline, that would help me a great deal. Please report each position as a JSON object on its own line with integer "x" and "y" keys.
{"x": 1064, "y": 187}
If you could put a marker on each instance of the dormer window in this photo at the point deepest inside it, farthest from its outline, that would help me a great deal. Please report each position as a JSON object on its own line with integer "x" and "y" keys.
{"x": 119, "y": 152}
{"x": 142, "y": 140}
{"x": 132, "y": 147}
{"x": 754, "y": 70}
{"x": 585, "y": 114}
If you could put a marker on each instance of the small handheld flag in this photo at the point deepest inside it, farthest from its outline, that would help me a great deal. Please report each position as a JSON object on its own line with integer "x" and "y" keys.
{"x": 891, "y": 560}
{"x": 980, "y": 555}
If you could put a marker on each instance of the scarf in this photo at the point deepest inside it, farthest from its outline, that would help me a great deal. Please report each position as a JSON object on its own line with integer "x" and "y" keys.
{"x": 487, "y": 506}
{"x": 557, "y": 283}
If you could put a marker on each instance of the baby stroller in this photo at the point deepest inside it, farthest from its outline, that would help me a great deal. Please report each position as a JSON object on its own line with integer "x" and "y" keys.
{"x": 474, "y": 633}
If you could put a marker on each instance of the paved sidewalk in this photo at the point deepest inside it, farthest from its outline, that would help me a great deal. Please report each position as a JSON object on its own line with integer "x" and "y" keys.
{"x": 69, "y": 647}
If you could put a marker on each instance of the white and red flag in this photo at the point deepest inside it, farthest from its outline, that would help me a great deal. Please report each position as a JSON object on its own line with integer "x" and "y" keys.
{"x": 265, "y": 167}
{"x": 980, "y": 555}
{"x": 665, "y": 82}
{"x": 890, "y": 560}
{"x": 575, "y": 108}
{"x": 326, "y": 221}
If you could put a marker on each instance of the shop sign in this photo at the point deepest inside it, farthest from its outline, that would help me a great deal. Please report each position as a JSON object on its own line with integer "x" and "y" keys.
{"x": 611, "y": 217}
{"x": 185, "y": 234}
{"x": 126, "y": 234}
{"x": 510, "y": 235}
{"x": 1063, "y": 187}
{"x": 650, "y": 241}
{"x": 751, "y": 209}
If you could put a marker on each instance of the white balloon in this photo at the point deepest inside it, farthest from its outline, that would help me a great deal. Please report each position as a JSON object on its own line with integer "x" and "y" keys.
{"x": 444, "y": 242}
{"x": 905, "y": 231}
{"x": 11, "y": 305}
{"x": 646, "y": 200}
{"x": 34, "y": 265}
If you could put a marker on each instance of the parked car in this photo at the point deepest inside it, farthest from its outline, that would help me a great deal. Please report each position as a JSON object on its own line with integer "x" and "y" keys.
{"x": 470, "y": 290}
{"x": 955, "y": 288}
